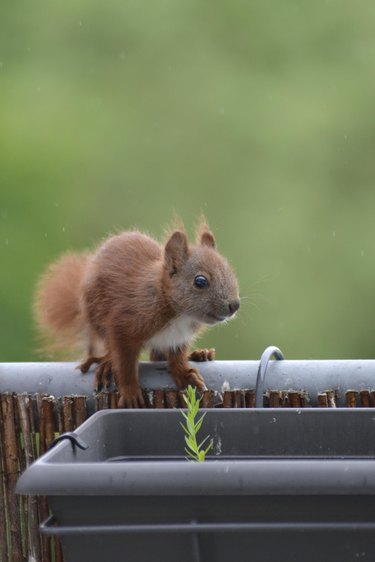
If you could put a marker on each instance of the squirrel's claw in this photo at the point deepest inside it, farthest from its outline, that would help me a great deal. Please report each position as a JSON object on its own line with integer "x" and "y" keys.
{"x": 103, "y": 374}
{"x": 132, "y": 397}
{"x": 103, "y": 371}
{"x": 84, "y": 367}
{"x": 200, "y": 355}
{"x": 189, "y": 376}
{"x": 195, "y": 377}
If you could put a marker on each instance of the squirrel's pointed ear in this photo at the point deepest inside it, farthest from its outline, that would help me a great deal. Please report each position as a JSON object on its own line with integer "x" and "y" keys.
{"x": 176, "y": 252}
{"x": 204, "y": 235}
{"x": 208, "y": 239}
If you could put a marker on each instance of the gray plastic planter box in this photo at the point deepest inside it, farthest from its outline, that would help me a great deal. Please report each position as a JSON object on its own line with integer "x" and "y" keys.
{"x": 286, "y": 485}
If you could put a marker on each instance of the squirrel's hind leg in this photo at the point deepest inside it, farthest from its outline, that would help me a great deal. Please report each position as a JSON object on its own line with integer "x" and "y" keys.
{"x": 103, "y": 372}
{"x": 85, "y": 366}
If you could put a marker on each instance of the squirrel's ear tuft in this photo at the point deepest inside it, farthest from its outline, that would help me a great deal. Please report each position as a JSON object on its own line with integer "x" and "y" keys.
{"x": 208, "y": 239}
{"x": 204, "y": 235}
{"x": 176, "y": 252}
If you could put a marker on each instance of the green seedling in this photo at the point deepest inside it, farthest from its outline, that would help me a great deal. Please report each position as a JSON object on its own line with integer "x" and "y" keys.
{"x": 195, "y": 451}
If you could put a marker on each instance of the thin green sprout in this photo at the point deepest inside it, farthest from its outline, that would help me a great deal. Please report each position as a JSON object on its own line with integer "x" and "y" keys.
{"x": 193, "y": 449}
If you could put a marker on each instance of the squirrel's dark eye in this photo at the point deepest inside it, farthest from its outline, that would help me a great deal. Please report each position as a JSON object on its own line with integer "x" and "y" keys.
{"x": 201, "y": 282}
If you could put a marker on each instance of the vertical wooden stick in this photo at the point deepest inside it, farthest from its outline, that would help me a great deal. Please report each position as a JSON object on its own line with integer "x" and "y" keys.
{"x": 49, "y": 406}
{"x": 295, "y": 399}
{"x": 228, "y": 399}
{"x": 351, "y": 398}
{"x": 12, "y": 473}
{"x": 31, "y": 513}
{"x": 103, "y": 400}
{"x": 35, "y": 440}
{"x": 322, "y": 400}
{"x": 3, "y": 507}
{"x": 80, "y": 410}
{"x": 159, "y": 399}
{"x": 68, "y": 415}
{"x": 305, "y": 399}
{"x": 181, "y": 399}
{"x": 250, "y": 398}
{"x": 275, "y": 397}
{"x": 49, "y": 421}
{"x": 171, "y": 399}
{"x": 238, "y": 399}
{"x": 208, "y": 399}
{"x": 331, "y": 397}
{"x": 23, "y": 501}
{"x": 58, "y": 550}
{"x": 365, "y": 398}
{"x": 46, "y": 436}
{"x": 114, "y": 400}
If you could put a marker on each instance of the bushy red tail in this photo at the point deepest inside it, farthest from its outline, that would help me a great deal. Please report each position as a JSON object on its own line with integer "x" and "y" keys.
{"x": 57, "y": 307}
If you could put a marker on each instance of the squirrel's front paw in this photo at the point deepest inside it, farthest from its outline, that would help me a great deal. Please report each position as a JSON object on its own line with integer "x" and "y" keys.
{"x": 200, "y": 355}
{"x": 131, "y": 397}
{"x": 189, "y": 376}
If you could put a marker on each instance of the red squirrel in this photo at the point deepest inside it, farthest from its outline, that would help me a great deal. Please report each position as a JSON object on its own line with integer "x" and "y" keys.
{"x": 134, "y": 293}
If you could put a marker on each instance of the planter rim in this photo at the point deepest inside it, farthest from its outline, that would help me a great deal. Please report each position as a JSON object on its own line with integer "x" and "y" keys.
{"x": 252, "y": 476}
{"x": 248, "y": 477}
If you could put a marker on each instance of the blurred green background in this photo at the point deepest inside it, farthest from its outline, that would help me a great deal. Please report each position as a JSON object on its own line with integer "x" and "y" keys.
{"x": 260, "y": 114}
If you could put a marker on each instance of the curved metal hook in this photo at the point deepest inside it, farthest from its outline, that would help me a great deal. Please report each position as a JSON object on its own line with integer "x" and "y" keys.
{"x": 267, "y": 354}
{"x": 73, "y": 438}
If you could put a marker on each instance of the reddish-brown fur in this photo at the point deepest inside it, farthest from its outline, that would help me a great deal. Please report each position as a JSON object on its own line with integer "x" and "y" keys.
{"x": 57, "y": 306}
{"x": 134, "y": 293}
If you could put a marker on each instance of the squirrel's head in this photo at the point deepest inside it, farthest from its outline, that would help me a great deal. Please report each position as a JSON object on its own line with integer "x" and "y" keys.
{"x": 198, "y": 279}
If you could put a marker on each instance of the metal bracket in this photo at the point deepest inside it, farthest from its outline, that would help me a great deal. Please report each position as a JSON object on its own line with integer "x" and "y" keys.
{"x": 75, "y": 440}
{"x": 268, "y": 353}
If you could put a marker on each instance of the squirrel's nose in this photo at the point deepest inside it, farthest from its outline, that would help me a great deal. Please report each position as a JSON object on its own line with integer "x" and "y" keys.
{"x": 234, "y": 306}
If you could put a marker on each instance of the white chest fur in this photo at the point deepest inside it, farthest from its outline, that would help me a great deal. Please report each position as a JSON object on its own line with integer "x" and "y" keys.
{"x": 177, "y": 332}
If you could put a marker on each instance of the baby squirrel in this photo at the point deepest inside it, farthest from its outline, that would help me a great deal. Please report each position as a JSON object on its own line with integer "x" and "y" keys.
{"x": 134, "y": 293}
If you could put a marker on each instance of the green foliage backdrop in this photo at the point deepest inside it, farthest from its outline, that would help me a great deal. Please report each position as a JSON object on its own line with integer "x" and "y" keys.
{"x": 260, "y": 114}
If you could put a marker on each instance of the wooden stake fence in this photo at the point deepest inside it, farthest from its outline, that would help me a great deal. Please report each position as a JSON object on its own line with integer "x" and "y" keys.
{"x": 30, "y": 423}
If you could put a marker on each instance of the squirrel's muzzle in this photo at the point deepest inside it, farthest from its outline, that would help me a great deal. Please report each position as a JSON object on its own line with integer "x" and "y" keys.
{"x": 234, "y": 306}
